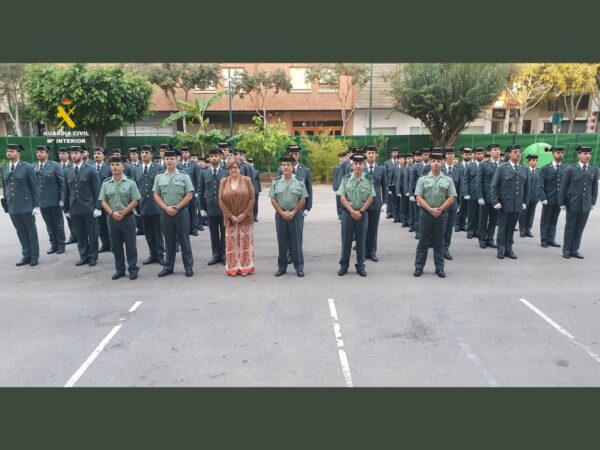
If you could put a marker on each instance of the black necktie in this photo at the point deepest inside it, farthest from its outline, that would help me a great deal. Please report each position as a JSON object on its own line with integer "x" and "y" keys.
{"x": 215, "y": 173}
{"x": 12, "y": 168}
{"x": 450, "y": 170}
{"x": 76, "y": 170}
{"x": 98, "y": 167}
{"x": 495, "y": 165}
{"x": 64, "y": 166}
{"x": 585, "y": 167}
{"x": 145, "y": 169}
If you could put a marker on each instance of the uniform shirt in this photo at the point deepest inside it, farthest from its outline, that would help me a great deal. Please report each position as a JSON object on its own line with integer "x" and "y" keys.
{"x": 356, "y": 191}
{"x": 119, "y": 194}
{"x": 172, "y": 188}
{"x": 288, "y": 194}
{"x": 435, "y": 190}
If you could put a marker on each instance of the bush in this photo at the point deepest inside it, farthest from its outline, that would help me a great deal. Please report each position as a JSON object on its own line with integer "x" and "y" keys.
{"x": 323, "y": 156}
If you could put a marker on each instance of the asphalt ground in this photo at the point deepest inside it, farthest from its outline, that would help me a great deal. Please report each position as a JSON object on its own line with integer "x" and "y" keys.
{"x": 526, "y": 322}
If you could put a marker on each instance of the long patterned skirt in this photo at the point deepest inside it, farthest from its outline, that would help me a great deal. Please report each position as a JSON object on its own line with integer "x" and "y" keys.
{"x": 239, "y": 248}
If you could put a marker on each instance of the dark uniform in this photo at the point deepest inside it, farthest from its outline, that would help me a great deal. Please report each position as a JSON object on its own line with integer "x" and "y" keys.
{"x": 171, "y": 189}
{"x": 510, "y": 190}
{"x": 578, "y": 193}
{"x": 357, "y": 192}
{"x": 419, "y": 169}
{"x": 82, "y": 188}
{"x": 378, "y": 176}
{"x": 119, "y": 195}
{"x": 104, "y": 174}
{"x": 527, "y": 216}
{"x": 549, "y": 181}
{"x": 289, "y": 232}
{"x": 21, "y": 197}
{"x": 463, "y": 210}
{"x": 150, "y": 212}
{"x": 72, "y": 238}
{"x": 410, "y": 205}
{"x": 435, "y": 191}
{"x": 193, "y": 170}
{"x": 51, "y": 185}
{"x": 454, "y": 173}
{"x": 134, "y": 166}
{"x": 208, "y": 192}
{"x": 338, "y": 173}
{"x": 390, "y": 165}
{"x": 488, "y": 216}
{"x": 255, "y": 176}
{"x": 469, "y": 193}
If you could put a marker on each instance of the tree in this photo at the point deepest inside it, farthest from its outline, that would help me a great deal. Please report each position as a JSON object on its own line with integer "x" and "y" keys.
{"x": 446, "y": 97}
{"x": 527, "y": 87}
{"x": 345, "y": 79}
{"x": 186, "y": 77}
{"x": 323, "y": 155}
{"x": 571, "y": 82}
{"x": 264, "y": 141}
{"x": 11, "y": 93}
{"x": 194, "y": 112}
{"x": 260, "y": 87}
{"x": 105, "y": 97}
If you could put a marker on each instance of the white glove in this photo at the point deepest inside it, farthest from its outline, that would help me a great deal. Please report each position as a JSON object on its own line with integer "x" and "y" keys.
{"x": 481, "y": 202}
{"x": 383, "y": 208}
{"x": 35, "y": 211}
{"x": 400, "y": 195}
{"x": 61, "y": 203}
{"x": 67, "y": 215}
{"x": 390, "y": 192}
{"x": 406, "y": 195}
{"x": 203, "y": 213}
{"x": 524, "y": 206}
{"x": 564, "y": 208}
{"x": 135, "y": 213}
{"x": 305, "y": 213}
{"x": 497, "y": 206}
{"x": 544, "y": 202}
{"x": 412, "y": 198}
{"x": 467, "y": 197}
{"x": 196, "y": 195}
{"x": 97, "y": 213}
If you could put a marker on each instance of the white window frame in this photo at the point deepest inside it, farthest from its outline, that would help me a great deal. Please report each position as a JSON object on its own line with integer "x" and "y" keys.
{"x": 307, "y": 86}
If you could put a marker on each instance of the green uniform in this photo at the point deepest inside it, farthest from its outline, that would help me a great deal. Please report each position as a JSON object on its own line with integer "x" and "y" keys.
{"x": 289, "y": 232}
{"x": 435, "y": 191}
{"x": 119, "y": 194}
{"x": 356, "y": 192}
{"x": 172, "y": 188}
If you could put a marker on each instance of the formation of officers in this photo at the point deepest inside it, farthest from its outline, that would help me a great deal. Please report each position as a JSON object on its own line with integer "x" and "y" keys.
{"x": 430, "y": 192}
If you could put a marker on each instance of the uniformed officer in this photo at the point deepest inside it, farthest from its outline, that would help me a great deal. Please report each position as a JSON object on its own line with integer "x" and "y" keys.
{"x": 577, "y": 195}
{"x": 173, "y": 190}
{"x": 21, "y": 202}
{"x": 51, "y": 184}
{"x": 225, "y": 153}
{"x": 257, "y": 186}
{"x": 390, "y": 165}
{"x": 378, "y": 176}
{"x": 119, "y": 196}
{"x": 527, "y": 216}
{"x": 356, "y": 193}
{"x": 402, "y": 181}
{"x": 460, "y": 223}
{"x": 509, "y": 193}
{"x": 469, "y": 183}
{"x": 488, "y": 216}
{"x": 134, "y": 163}
{"x": 191, "y": 168}
{"x": 348, "y": 163}
{"x": 65, "y": 163}
{"x": 245, "y": 168}
{"x": 149, "y": 211}
{"x": 82, "y": 188}
{"x": 85, "y": 155}
{"x": 549, "y": 181}
{"x": 420, "y": 169}
{"x": 103, "y": 169}
{"x": 455, "y": 173}
{"x": 336, "y": 179}
{"x": 435, "y": 193}
{"x": 208, "y": 193}
{"x": 408, "y": 192}
{"x": 288, "y": 197}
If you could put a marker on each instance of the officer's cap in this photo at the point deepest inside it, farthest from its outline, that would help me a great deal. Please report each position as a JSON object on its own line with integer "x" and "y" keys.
{"x": 164, "y": 146}
{"x": 43, "y": 148}
{"x": 223, "y": 145}
{"x": 62, "y": 150}
{"x": 448, "y": 150}
{"x": 340, "y": 154}
{"x": 250, "y": 160}
{"x": 513, "y": 147}
{"x": 352, "y": 149}
{"x": 466, "y": 150}
{"x": 370, "y": 148}
{"x": 293, "y": 148}
{"x": 583, "y": 149}
{"x": 214, "y": 151}
{"x": 532, "y": 156}
{"x": 185, "y": 148}
{"x": 428, "y": 149}
{"x": 171, "y": 152}
{"x": 478, "y": 150}
{"x": 285, "y": 158}
{"x": 147, "y": 148}
{"x": 417, "y": 153}
{"x": 358, "y": 158}
{"x": 117, "y": 159}
{"x": 115, "y": 151}
{"x": 100, "y": 149}
{"x": 492, "y": 146}
{"x": 17, "y": 147}
{"x": 393, "y": 150}
{"x": 554, "y": 149}
{"x": 75, "y": 148}
{"x": 134, "y": 150}
{"x": 437, "y": 153}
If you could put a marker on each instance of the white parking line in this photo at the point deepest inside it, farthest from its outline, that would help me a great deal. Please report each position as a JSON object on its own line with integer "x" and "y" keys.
{"x": 340, "y": 344}
{"x": 88, "y": 362}
{"x": 561, "y": 330}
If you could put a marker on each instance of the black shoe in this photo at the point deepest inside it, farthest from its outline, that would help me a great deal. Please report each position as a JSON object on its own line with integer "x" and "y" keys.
{"x": 52, "y": 250}
{"x": 440, "y": 273}
{"x": 522, "y": 235}
{"x": 81, "y": 262}
{"x": 189, "y": 272}
{"x": 133, "y": 276}
{"x": 411, "y": 229}
{"x": 544, "y": 244}
{"x": 214, "y": 261}
{"x": 60, "y": 250}
{"x": 418, "y": 272}
{"x": 223, "y": 262}
{"x": 491, "y": 244}
{"x": 164, "y": 273}
{"x": 457, "y": 229}
{"x": 566, "y": 255}
{"x": 139, "y": 232}
{"x": 469, "y": 236}
{"x": 162, "y": 261}
{"x": 396, "y": 221}
{"x": 150, "y": 260}
{"x": 300, "y": 273}
{"x": 280, "y": 272}
{"x": 72, "y": 240}
{"x": 200, "y": 228}
{"x": 482, "y": 244}
{"x": 528, "y": 234}
{"x": 117, "y": 275}
{"x": 448, "y": 256}
{"x": 361, "y": 272}
{"x": 500, "y": 255}
{"x": 573, "y": 254}
{"x": 256, "y": 220}
{"x": 388, "y": 216}
{"x": 511, "y": 255}
{"x": 553, "y": 244}
{"x": 353, "y": 248}
{"x": 104, "y": 248}
{"x": 194, "y": 232}
{"x": 34, "y": 261}
{"x": 404, "y": 225}
{"x": 374, "y": 258}
{"x": 343, "y": 271}
{"x": 92, "y": 262}
{"x": 23, "y": 262}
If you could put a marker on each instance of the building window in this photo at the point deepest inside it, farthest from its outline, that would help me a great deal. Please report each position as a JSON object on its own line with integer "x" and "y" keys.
{"x": 390, "y": 131}
{"x": 325, "y": 87}
{"x": 212, "y": 87}
{"x": 298, "y": 76}
{"x": 236, "y": 75}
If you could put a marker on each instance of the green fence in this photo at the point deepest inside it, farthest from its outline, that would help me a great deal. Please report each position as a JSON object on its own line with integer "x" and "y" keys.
{"x": 402, "y": 142}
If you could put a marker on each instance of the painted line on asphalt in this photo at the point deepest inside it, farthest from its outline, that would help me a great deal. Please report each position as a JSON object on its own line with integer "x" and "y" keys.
{"x": 466, "y": 348}
{"x": 340, "y": 344}
{"x": 88, "y": 362}
{"x": 561, "y": 330}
